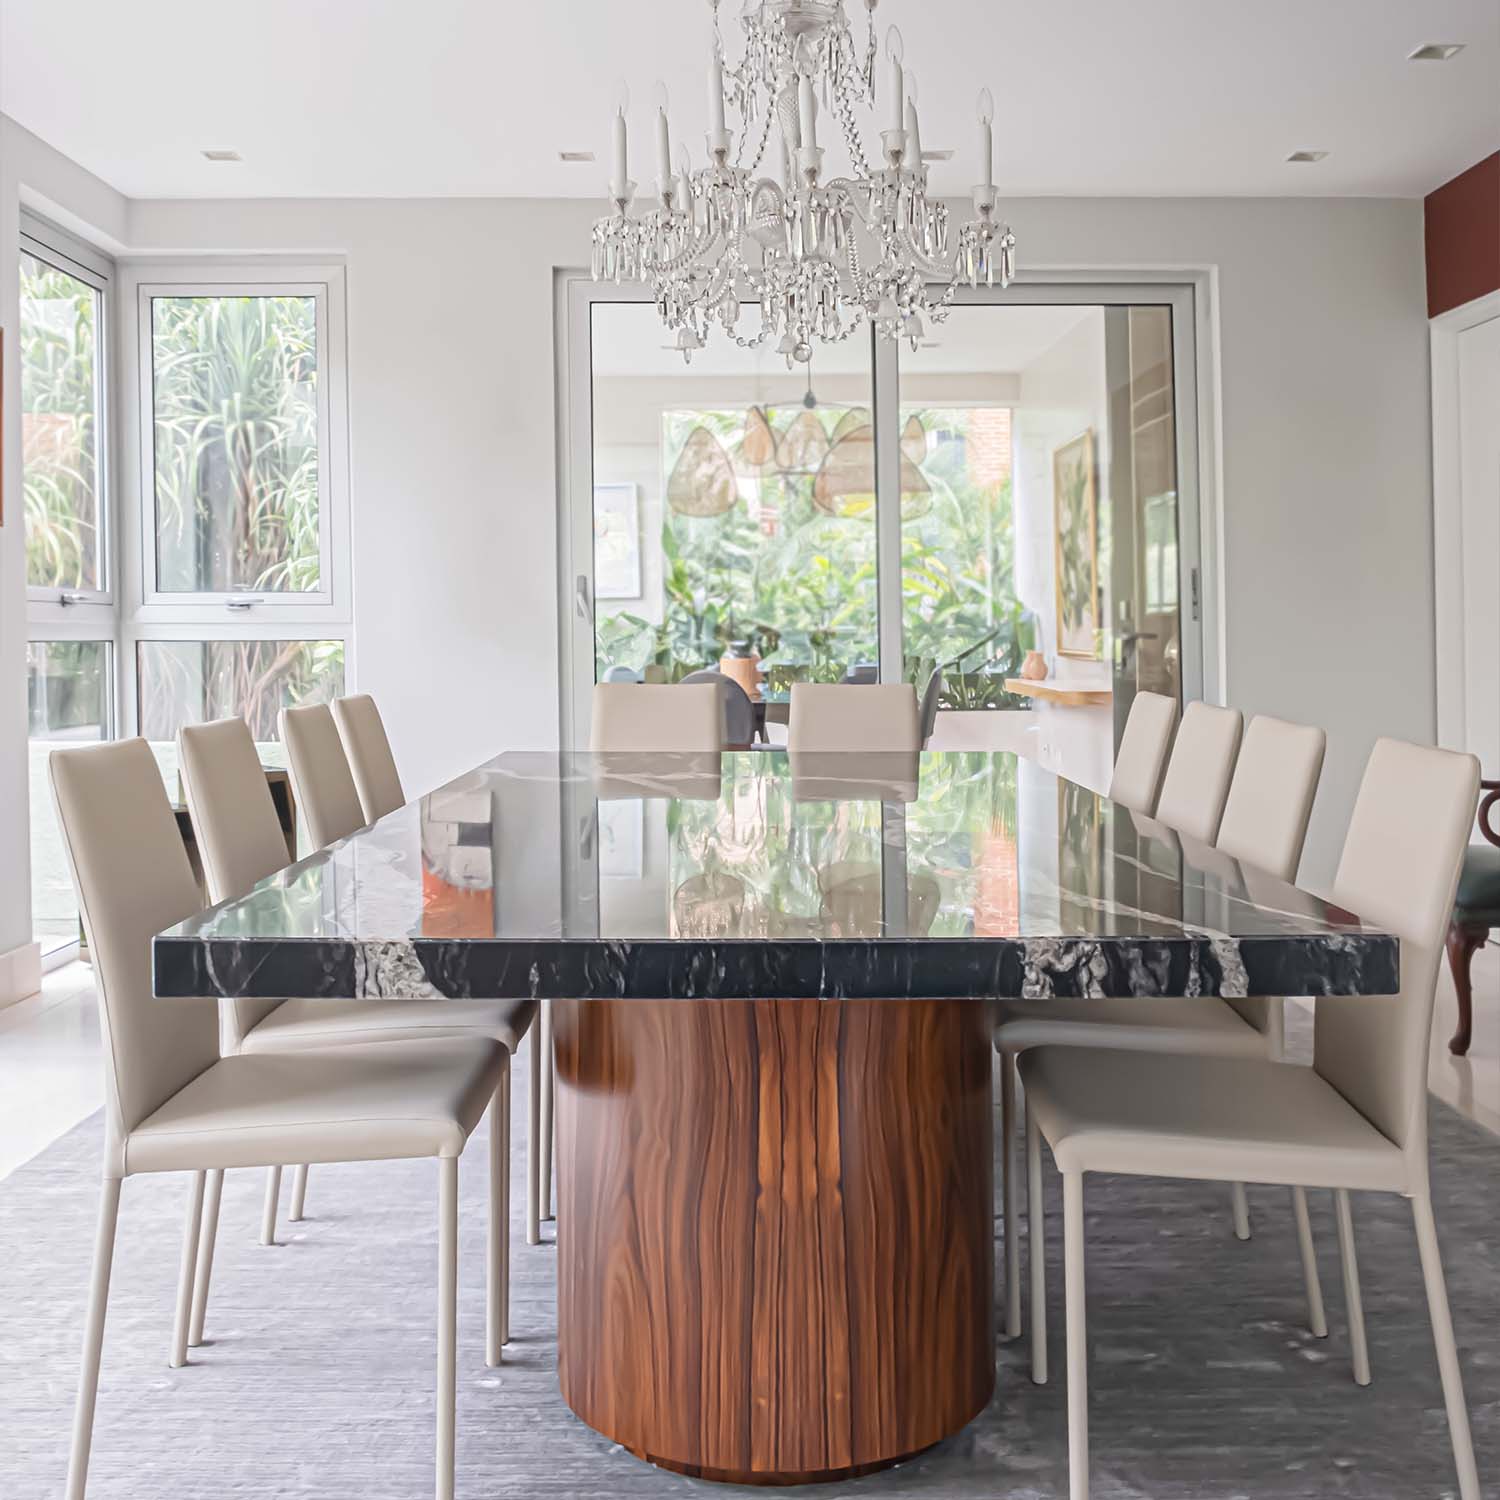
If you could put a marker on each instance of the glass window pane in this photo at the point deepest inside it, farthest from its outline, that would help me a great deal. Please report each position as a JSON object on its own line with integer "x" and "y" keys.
{"x": 733, "y": 507}
{"x": 235, "y": 422}
{"x": 67, "y": 698}
{"x": 189, "y": 682}
{"x": 59, "y": 320}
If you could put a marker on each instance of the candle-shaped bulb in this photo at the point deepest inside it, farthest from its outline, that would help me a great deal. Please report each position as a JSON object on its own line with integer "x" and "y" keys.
{"x": 663, "y": 139}
{"x": 716, "y": 94}
{"x": 620, "y": 173}
{"x": 621, "y": 97}
{"x": 895, "y": 52}
{"x": 807, "y": 113}
{"x": 913, "y": 132}
{"x": 986, "y": 138}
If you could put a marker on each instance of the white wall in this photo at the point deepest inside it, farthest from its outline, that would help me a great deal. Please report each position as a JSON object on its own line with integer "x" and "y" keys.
{"x": 1327, "y": 494}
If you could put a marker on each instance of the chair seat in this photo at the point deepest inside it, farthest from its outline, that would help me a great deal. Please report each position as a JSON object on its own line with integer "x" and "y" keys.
{"x": 1157, "y": 1023}
{"x": 296, "y": 1024}
{"x": 1226, "y": 1119}
{"x": 1478, "y": 899}
{"x": 367, "y": 1103}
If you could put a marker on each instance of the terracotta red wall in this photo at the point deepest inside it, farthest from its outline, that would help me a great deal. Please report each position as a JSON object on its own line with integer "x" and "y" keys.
{"x": 1463, "y": 237}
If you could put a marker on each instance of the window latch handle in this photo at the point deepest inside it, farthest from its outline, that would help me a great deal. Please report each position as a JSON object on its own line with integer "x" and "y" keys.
{"x": 70, "y": 596}
{"x": 241, "y": 604}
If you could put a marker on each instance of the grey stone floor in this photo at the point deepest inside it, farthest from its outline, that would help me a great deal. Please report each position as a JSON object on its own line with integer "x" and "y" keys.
{"x": 318, "y": 1379}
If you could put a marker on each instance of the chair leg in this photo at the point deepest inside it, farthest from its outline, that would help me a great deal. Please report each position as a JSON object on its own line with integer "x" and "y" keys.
{"x": 1462, "y": 942}
{"x": 1447, "y": 1349}
{"x": 549, "y": 1079}
{"x": 1036, "y": 1251}
{"x": 187, "y": 1272}
{"x": 93, "y": 1339}
{"x": 207, "y": 1238}
{"x": 447, "y": 1330}
{"x": 1077, "y": 1332}
{"x": 534, "y": 1140}
{"x": 268, "y": 1213}
{"x": 497, "y": 1265}
{"x": 1240, "y": 1205}
{"x": 1010, "y": 1195}
{"x": 299, "y": 1194}
{"x": 1353, "y": 1303}
{"x": 1317, "y": 1319}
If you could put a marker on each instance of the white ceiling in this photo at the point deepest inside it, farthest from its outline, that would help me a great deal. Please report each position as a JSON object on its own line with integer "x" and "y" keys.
{"x": 395, "y": 98}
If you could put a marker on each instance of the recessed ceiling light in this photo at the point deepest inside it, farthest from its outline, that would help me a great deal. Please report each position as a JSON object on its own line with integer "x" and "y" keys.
{"x": 1435, "y": 52}
{"x": 1307, "y": 156}
{"x": 575, "y": 156}
{"x": 223, "y": 156}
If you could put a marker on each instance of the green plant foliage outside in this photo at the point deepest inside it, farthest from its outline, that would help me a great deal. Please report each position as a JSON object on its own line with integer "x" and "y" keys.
{"x": 798, "y": 585}
{"x": 59, "y": 427}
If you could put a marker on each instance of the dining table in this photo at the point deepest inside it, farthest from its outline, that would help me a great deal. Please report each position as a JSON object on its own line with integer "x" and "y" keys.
{"x": 772, "y": 983}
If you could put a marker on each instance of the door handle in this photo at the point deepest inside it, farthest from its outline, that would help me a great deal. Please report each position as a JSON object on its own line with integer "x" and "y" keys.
{"x": 581, "y": 597}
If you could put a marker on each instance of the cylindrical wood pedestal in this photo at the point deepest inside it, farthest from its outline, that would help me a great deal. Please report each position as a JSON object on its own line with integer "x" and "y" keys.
{"x": 775, "y": 1229}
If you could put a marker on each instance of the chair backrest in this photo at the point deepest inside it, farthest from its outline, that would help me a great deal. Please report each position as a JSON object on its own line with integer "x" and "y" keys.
{"x": 656, "y": 717}
{"x": 240, "y": 840}
{"x": 739, "y": 712}
{"x": 369, "y": 752}
{"x": 1196, "y": 785}
{"x": 1399, "y": 872}
{"x": 133, "y": 879}
{"x": 927, "y": 714}
{"x": 322, "y": 782}
{"x": 1143, "y": 752}
{"x": 839, "y": 716}
{"x": 1271, "y": 796}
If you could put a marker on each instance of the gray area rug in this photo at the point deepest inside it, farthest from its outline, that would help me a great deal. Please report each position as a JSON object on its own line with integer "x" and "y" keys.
{"x": 318, "y": 1380}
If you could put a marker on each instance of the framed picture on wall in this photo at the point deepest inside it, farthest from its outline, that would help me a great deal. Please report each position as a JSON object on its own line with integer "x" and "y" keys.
{"x": 617, "y": 542}
{"x": 1076, "y": 526}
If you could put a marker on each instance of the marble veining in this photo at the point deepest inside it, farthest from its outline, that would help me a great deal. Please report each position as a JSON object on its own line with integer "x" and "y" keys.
{"x": 952, "y": 874}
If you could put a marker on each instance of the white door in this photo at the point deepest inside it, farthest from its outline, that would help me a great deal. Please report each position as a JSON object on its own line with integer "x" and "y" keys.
{"x": 1479, "y": 480}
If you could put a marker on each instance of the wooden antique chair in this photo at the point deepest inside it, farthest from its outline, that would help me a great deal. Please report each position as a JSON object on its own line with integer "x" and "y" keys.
{"x": 1476, "y": 912}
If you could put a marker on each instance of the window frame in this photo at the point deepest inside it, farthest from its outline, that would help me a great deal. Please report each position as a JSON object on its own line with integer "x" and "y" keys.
{"x": 326, "y": 614}
{"x": 48, "y": 609}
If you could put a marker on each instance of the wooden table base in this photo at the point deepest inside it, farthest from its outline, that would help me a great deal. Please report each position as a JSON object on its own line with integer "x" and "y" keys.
{"x": 775, "y": 1230}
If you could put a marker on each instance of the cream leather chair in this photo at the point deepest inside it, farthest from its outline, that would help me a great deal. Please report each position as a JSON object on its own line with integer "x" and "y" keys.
{"x": 1196, "y": 785}
{"x": 240, "y": 843}
{"x": 1142, "y": 755}
{"x": 871, "y": 717}
{"x": 371, "y": 763}
{"x": 327, "y": 798}
{"x": 1356, "y": 1119}
{"x": 1265, "y": 824}
{"x": 173, "y": 1105}
{"x": 649, "y": 718}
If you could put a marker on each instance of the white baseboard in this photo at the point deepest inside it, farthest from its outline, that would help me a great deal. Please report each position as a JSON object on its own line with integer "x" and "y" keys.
{"x": 20, "y": 973}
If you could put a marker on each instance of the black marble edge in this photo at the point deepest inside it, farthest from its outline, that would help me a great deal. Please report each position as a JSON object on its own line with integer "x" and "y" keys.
{"x": 1333, "y": 963}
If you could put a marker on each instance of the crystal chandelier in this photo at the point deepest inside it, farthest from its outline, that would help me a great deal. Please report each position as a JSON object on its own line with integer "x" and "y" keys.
{"x": 819, "y": 255}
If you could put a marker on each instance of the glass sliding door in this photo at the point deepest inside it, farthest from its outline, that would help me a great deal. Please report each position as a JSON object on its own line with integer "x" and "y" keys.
{"x": 1004, "y": 503}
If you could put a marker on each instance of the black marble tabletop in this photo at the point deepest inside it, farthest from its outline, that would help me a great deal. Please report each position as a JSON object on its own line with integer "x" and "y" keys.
{"x": 956, "y": 874}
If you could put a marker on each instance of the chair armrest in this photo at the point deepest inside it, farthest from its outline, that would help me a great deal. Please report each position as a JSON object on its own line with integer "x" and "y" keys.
{"x": 1487, "y": 805}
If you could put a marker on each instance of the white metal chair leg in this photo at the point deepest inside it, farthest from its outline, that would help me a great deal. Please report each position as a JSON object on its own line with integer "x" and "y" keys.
{"x": 93, "y": 1339}
{"x": 549, "y": 1079}
{"x": 1241, "y": 1207}
{"x": 447, "y": 1329}
{"x": 1317, "y": 1319}
{"x": 187, "y": 1272}
{"x": 1036, "y": 1251}
{"x": 1077, "y": 1332}
{"x": 534, "y": 1141}
{"x": 207, "y": 1238}
{"x": 299, "y": 1194}
{"x": 1447, "y": 1349}
{"x": 1010, "y": 1195}
{"x": 1353, "y": 1303}
{"x": 497, "y": 1264}
{"x": 268, "y": 1213}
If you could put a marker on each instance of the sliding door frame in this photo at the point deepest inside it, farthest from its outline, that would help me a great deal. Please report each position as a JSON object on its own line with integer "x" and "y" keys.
{"x": 1191, "y": 293}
